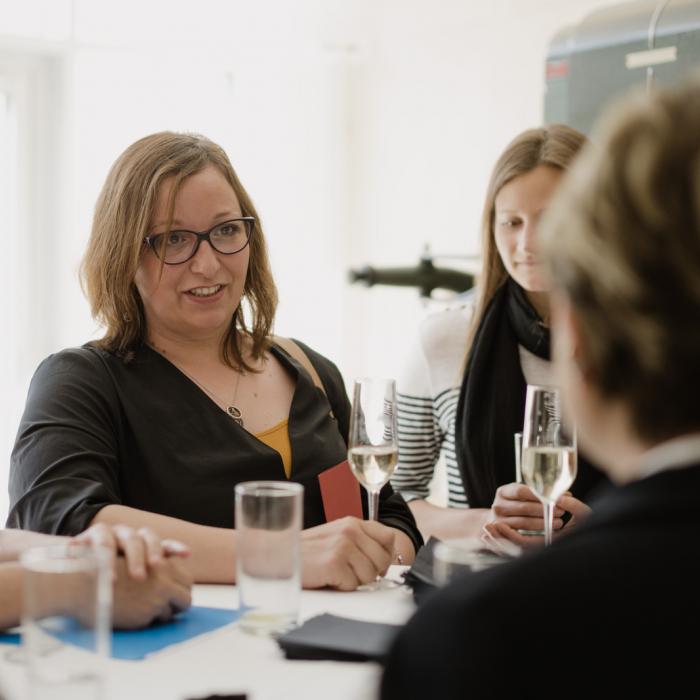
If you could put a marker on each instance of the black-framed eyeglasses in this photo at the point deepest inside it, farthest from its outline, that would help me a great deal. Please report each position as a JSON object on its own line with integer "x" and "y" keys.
{"x": 177, "y": 247}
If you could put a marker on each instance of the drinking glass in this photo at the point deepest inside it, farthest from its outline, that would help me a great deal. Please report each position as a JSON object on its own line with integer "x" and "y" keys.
{"x": 452, "y": 557}
{"x": 268, "y": 556}
{"x": 373, "y": 449}
{"x": 518, "y": 444}
{"x": 66, "y": 620}
{"x": 549, "y": 450}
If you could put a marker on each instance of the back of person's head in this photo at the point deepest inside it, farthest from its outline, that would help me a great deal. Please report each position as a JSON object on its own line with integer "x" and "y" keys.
{"x": 623, "y": 240}
{"x": 123, "y": 215}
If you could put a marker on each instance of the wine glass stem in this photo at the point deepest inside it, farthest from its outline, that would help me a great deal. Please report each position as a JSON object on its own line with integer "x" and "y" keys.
{"x": 373, "y": 498}
{"x": 548, "y": 522}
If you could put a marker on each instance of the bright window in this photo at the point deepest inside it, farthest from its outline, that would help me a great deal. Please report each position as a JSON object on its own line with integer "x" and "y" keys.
{"x": 9, "y": 384}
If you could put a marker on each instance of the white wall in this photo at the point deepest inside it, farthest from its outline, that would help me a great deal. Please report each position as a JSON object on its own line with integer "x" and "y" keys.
{"x": 361, "y": 128}
{"x": 444, "y": 86}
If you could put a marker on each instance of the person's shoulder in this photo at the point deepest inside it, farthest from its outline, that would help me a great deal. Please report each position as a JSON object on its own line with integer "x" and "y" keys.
{"x": 326, "y": 368}
{"x": 442, "y": 338}
{"x": 448, "y": 324}
{"x": 84, "y": 358}
{"x": 321, "y": 363}
{"x": 86, "y": 365}
{"x": 74, "y": 371}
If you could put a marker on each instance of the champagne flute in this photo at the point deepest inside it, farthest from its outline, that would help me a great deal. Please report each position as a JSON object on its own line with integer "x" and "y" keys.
{"x": 549, "y": 451}
{"x": 373, "y": 449}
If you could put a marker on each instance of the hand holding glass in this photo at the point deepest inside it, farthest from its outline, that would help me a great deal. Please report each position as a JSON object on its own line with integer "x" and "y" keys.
{"x": 549, "y": 450}
{"x": 373, "y": 449}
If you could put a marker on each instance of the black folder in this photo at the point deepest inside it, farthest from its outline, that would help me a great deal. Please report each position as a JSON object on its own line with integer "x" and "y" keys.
{"x": 331, "y": 638}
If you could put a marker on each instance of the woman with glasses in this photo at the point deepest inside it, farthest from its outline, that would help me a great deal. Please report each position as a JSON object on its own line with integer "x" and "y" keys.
{"x": 187, "y": 393}
{"x": 462, "y": 394}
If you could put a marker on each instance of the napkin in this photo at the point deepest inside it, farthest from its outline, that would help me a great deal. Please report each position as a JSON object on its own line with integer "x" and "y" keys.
{"x": 420, "y": 576}
{"x": 331, "y": 638}
{"x": 340, "y": 492}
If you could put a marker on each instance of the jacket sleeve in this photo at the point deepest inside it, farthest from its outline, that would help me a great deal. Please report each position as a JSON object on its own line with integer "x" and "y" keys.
{"x": 64, "y": 465}
{"x": 393, "y": 510}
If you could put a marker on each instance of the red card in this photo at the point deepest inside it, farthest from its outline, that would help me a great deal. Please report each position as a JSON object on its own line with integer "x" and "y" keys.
{"x": 340, "y": 492}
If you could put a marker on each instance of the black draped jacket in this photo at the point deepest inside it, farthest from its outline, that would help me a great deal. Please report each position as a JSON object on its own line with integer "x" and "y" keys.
{"x": 97, "y": 431}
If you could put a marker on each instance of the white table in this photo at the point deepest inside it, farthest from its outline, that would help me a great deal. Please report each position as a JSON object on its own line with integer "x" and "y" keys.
{"x": 229, "y": 660}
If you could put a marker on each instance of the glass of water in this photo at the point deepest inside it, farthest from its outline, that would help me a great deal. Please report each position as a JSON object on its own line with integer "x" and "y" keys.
{"x": 268, "y": 555}
{"x": 66, "y": 620}
{"x": 452, "y": 557}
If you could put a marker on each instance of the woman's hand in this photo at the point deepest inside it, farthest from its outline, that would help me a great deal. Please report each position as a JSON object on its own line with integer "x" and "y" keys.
{"x": 346, "y": 553}
{"x": 150, "y": 581}
{"x": 517, "y": 506}
{"x": 578, "y": 509}
{"x": 502, "y": 539}
{"x": 141, "y": 548}
{"x": 500, "y": 535}
{"x": 164, "y": 592}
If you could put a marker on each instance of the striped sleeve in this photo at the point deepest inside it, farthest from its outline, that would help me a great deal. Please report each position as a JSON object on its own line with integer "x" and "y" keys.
{"x": 419, "y": 446}
{"x": 428, "y": 392}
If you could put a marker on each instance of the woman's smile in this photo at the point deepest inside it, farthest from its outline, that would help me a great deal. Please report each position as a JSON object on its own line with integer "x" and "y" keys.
{"x": 206, "y": 294}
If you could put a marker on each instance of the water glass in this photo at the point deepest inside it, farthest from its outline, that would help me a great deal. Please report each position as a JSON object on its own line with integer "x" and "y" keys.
{"x": 268, "y": 559}
{"x": 66, "y": 620}
{"x": 454, "y": 556}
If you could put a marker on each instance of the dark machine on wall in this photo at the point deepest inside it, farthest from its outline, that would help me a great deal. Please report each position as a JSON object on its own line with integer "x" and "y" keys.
{"x": 643, "y": 43}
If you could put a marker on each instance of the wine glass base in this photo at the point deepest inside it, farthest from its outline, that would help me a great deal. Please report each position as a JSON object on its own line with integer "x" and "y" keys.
{"x": 381, "y": 584}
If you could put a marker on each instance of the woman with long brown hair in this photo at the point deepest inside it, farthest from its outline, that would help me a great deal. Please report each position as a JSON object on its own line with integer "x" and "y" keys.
{"x": 463, "y": 393}
{"x": 188, "y": 393}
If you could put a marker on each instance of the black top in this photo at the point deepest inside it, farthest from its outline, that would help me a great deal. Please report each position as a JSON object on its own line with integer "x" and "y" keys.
{"x": 614, "y": 604}
{"x": 96, "y": 431}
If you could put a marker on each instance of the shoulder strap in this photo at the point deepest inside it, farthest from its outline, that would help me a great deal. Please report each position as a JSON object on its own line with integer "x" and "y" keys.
{"x": 293, "y": 350}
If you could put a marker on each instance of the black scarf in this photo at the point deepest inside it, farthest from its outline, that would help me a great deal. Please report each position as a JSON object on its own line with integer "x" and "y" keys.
{"x": 492, "y": 398}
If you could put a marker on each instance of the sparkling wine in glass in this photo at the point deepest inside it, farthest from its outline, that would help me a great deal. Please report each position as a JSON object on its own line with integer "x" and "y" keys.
{"x": 549, "y": 450}
{"x": 373, "y": 449}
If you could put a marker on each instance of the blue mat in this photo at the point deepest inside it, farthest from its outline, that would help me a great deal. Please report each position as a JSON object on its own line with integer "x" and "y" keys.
{"x": 133, "y": 645}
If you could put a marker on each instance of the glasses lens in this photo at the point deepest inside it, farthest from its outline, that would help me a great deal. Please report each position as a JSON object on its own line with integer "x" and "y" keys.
{"x": 175, "y": 246}
{"x": 231, "y": 236}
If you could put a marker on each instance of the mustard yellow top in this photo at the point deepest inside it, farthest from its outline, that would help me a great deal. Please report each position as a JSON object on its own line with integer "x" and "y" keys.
{"x": 277, "y": 437}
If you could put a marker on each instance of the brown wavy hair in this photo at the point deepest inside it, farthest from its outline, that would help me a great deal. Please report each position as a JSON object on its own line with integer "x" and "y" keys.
{"x": 121, "y": 221}
{"x": 622, "y": 240}
{"x": 556, "y": 146}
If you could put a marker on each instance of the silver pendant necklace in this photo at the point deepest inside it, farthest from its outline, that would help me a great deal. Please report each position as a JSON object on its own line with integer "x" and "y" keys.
{"x": 231, "y": 409}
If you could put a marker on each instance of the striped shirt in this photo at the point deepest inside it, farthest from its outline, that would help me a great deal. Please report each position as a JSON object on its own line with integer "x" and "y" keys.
{"x": 428, "y": 392}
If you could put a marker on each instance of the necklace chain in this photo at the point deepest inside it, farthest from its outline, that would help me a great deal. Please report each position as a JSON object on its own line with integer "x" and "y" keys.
{"x": 231, "y": 409}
